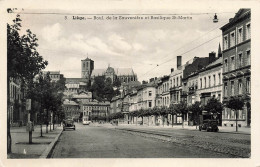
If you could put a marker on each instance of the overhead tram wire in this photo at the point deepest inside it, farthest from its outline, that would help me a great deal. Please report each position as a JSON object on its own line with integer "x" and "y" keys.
{"x": 183, "y": 46}
{"x": 182, "y": 54}
{"x": 188, "y": 50}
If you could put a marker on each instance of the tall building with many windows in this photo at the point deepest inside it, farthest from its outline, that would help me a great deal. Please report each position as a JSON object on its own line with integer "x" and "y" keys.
{"x": 237, "y": 66}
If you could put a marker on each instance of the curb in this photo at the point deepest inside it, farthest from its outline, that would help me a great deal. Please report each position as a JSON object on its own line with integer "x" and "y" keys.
{"x": 220, "y": 131}
{"x": 48, "y": 150}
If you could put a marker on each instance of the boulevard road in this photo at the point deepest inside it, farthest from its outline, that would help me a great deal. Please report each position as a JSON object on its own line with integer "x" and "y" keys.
{"x": 89, "y": 141}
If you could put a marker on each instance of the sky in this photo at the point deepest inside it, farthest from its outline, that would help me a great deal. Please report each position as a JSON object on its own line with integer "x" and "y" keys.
{"x": 149, "y": 46}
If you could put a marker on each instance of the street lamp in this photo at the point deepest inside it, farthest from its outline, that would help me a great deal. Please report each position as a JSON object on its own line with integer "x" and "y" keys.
{"x": 37, "y": 80}
{"x": 215, "y": 20}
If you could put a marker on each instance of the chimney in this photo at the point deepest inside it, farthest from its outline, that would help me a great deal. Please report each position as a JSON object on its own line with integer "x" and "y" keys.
{"x": 212, "y": 57}
{"x": 155, "y": 78}
{"x": 178, "y": 61}
{"x": 151, "y": 79}
{"x": 172, "y": 69}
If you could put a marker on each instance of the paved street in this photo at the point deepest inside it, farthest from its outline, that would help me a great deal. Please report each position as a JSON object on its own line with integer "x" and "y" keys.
{"x": 110, "y": 142}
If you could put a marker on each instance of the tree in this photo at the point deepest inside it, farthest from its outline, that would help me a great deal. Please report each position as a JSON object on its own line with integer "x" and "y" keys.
{"x": 196, "y": 110}
{"x": 102, "y": 89}
{"x": 235, "y": 103}
{"x": 156, "y": 112}
{"x": 213, "y": 107}
{"x": 172, "y": 111}
{"x": 163, "y": 112}
{"x": 117, "y": 83}
{"x": 23, "y": 61}
{"x": 182, "y": 109}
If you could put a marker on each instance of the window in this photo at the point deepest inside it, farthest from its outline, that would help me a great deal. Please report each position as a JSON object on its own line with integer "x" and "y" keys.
{"x": 177, "y": 81}
{"x": 83, "y": 65}
{"x": 150, "y": 93}
{"x": 205, "y": 81}
{"x": 209, "y": 82}
{"x": 248, "y": 31}
{"x": 240, "y": 87}
{"x": 87, "y": 64}
{"x": 248, "y": 57}
{"x": 225, "y": 89}
{"x": 232, "y": 88}
{"x": 240, "y": 60}
{"x": 232, "y": 39}
{"x": 248, "y": 85}
{"x": 214, "y": 80}
{"x": 180, "y": 80}
{"x": 232, "y": 62}
{"x": 226, "y": 65}
{"x": 219, "y": 78}
{"x": 240, "y": 35}
{"x": 174, "y": 82}
{"x": 150, "y": 104}
{"x": 219, "y": 97}
{"x": 225, "y": 43}
{"x": 200, "y": 83}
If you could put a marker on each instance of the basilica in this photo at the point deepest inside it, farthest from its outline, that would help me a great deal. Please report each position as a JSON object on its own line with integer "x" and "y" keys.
{"x": 124, "y": 75}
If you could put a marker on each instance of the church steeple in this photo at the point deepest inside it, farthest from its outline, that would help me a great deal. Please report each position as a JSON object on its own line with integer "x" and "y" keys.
{"x": 219, "y": 51}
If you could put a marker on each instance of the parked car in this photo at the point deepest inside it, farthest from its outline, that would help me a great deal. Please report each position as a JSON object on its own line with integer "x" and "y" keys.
{"x": 68, "y": 124}
{"x": 84, "y": 122}
{"x": 209, "y": 126}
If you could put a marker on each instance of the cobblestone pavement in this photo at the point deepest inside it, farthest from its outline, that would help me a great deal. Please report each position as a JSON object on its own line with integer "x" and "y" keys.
{"x": 237, "y": 145}
{"x": 101, "y": 142}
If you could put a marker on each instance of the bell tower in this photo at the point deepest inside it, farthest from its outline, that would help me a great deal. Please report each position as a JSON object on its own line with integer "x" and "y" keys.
{"x": 87, "y": 66}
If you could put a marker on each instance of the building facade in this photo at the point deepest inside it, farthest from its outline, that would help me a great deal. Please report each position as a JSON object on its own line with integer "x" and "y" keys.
{"x": 124, "y": 75}
{"x": 54, "y": 75}
{"x": 237, "y": 66}
{"x": 17, "y": 113}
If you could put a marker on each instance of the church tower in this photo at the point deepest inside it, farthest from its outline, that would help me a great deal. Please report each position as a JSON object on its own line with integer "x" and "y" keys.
{"x": 87, "y": 66}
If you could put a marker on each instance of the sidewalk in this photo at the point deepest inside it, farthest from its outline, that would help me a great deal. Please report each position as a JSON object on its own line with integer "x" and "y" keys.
{"x": 241, "y": 130}
{"x": 41, "y": 146}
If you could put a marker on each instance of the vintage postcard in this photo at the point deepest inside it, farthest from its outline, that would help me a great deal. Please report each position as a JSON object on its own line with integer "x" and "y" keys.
{"x": 129, "y": 83}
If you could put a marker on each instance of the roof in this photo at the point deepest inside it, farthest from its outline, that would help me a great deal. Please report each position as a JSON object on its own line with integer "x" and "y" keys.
{"x": 51, "y": 72}
{"x": 87, "y": 59}
{"x": 124, "y": 71}
{"x": 93, "y": 103}
{"x": 239, "y": 15}
{"x": 178, "y": 71}
{"x": 218, "y": 61}
{"x": 70, "y": 103}
{"x": 68, "y": 80}
{"x": 98, "y": 72}
{"x": 118, "y": 71}
{"x": 131, "y": 83}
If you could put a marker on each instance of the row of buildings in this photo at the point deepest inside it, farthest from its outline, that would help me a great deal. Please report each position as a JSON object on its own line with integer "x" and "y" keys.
{"x": 221, "y": 76}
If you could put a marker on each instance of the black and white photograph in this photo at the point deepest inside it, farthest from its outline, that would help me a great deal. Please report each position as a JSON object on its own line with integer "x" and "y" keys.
{"x": 126, "y": 83}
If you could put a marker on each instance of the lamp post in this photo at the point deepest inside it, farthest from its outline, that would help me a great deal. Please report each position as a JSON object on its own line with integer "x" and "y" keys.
{"x": 37, "y": 78}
